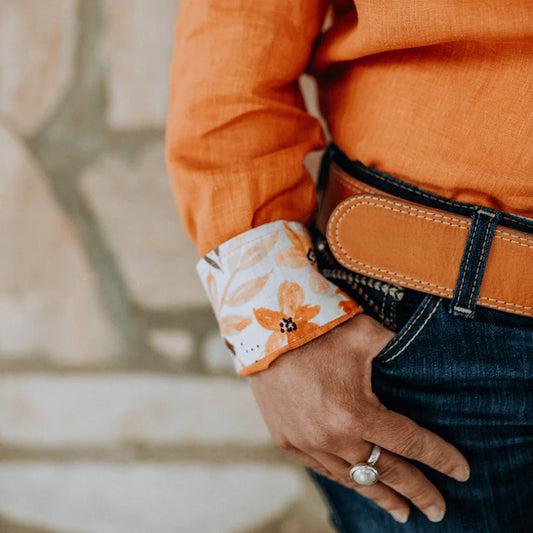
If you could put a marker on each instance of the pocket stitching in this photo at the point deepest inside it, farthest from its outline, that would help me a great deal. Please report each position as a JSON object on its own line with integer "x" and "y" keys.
{"x": 419, "y": 315}
{"x": 417, "y": 332}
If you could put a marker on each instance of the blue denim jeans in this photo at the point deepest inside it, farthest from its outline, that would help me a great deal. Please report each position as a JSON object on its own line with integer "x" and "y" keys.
{"x": 467, "y": 379}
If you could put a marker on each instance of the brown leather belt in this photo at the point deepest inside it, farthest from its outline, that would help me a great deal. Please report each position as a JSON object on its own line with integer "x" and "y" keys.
{"x": 471, "y": 260}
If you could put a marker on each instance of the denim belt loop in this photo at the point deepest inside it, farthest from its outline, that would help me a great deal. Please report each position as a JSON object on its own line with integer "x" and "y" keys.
{"x": 476, "y": 251}
{"x": 323, "y": 170}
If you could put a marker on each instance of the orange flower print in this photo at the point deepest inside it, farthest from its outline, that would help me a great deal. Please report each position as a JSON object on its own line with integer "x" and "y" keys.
{"x": 293, "y": 318}
{"x": 347, "y": 305}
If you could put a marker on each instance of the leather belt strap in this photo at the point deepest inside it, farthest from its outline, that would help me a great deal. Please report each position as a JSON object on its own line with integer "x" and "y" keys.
{"x": 422, "y": 248}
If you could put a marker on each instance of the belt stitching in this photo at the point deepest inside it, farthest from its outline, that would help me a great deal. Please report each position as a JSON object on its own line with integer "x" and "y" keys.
{"x": 432, "y": 216}
{"x": 425, "y": 284}
{"x": 498, "y": 232}
{"x": 381, "y": 269}
{"x": 420, "y": 193}
{"x": 412, "y": 189}
{"x": 502, "y": 302}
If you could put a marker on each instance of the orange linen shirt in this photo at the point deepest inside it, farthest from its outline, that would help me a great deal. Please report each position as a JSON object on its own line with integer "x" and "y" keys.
{"x": 436, "y": 92}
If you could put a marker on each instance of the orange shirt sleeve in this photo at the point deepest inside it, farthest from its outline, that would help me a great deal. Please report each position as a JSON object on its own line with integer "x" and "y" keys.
{"x": 237, "y": 129}
{"x": 237, "y": 134}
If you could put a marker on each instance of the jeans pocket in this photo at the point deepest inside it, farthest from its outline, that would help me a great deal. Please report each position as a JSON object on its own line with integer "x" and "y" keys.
{"x": 411, "y": 330}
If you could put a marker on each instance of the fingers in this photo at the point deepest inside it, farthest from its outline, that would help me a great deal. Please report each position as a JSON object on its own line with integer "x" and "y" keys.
{"x": 407, "y": 480}
{"x": 400, "y": 481}
{"x": 382, "y": 495}
{"x": 400, "y": 435}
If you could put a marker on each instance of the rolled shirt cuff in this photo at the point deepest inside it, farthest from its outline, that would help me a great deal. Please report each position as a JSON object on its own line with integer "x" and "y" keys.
{"x": 268, "y": 295}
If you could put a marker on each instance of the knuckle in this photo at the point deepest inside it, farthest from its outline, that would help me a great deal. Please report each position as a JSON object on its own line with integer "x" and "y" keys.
{"x": 410, "y": 444}
{"x": 358, "y": 424}
{"x": 373, "y": 420}
{"x": 283, "y": 442}
{"x": 364, "y": 421}
{"x": 419, "y": 494}
{"x": 392, "y": 473}
{"x": 441, "y": 460}
{"x": 420, "y": 446}
{"x": 300, "y": 443}
{"x": 367, "y": 428}
{"x": 342, "y": 421}
{"x": 342, "y": 438}
{"x": 328, "y": 438}
{"x": 324, "y": 440}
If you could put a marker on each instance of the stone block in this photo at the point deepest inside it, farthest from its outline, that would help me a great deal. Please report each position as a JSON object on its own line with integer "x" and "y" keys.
{"x": 145, "y": 497}
{"x": 136, "y": 210}
{"x": 176, "y": 344}
{"x": 37, "y": 49}
{"x": 49, "y": 303}
{"x": 113, "y": 410}
{"x": 138, "y": 43}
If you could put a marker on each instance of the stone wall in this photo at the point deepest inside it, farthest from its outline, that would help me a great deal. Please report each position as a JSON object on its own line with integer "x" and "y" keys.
{"x": 119, "y": 409}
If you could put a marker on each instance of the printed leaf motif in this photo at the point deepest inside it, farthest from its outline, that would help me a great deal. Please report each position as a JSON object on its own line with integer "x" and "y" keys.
{"x": 268, "y": 318}
{"x": 233, "y": 324}
{"x": 275, "y": 342}
{"x": 292, "y": 257}
{"x": 298, "y": 240}
{"x": 295, "y": 256}
{"x": 233, "y": 260}
{"x": 246, "y": 291}
{"x": 257, "y": 252}
{"x": 233, "y": 253}
{"x": 209, "y": 261}
{"x": 317, "y": 282}
{"x": 212, "y": 290}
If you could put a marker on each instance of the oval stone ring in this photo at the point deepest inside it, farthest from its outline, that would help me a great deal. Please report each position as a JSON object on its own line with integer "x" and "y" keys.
{"x": 365, "y": 473}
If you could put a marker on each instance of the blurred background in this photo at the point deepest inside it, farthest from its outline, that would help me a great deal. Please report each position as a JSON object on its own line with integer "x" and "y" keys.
{"x": 119, "y": 408}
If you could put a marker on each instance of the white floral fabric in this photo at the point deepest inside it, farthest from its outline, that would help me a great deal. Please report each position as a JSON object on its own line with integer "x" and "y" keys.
{"x": 268, "y": 294}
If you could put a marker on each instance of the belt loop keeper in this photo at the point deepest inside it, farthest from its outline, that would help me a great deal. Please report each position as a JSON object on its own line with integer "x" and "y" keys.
{"x": 475, "y": 254}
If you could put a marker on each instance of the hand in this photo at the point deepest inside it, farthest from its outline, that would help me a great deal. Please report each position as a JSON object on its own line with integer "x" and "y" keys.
{"x": 318, "y": 404}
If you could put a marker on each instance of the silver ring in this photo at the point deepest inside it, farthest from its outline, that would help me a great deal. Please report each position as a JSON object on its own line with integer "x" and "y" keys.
{"x": 365, "y": 473}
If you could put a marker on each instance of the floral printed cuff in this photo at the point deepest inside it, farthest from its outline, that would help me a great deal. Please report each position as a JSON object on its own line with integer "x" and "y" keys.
{"x": 268, "y": 294}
